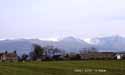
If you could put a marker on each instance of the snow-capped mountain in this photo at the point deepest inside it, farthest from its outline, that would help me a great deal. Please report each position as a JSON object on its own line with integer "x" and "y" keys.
{"x": 72, "y": 44}
{"x": 69, "y": 44}
{"x": 112, "y": 43}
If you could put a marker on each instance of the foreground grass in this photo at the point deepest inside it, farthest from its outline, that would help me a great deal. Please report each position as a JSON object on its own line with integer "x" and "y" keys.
{"x": 91, "y": 67}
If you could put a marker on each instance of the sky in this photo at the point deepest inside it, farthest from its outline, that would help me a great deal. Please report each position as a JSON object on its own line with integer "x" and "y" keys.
{"x": 52, "y": 19}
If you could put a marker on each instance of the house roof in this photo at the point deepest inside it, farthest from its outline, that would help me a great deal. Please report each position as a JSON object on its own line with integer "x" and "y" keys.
{"x": 11, "y": 55}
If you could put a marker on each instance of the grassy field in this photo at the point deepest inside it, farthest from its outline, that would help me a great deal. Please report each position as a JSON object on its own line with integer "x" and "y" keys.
{"x": 91, "y": 67}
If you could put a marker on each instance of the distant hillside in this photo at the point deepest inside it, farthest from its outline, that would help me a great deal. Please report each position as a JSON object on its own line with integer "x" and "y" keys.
{"x": 21, "y": 46}
{"x": 69, "y": 44}
{"x": 112, "y": 43}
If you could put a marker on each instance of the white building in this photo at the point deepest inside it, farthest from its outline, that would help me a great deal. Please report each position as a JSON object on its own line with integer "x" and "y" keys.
{"x": 119, "y": 56}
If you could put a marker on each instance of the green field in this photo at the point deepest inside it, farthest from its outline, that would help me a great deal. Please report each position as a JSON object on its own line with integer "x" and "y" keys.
{"x": 91, "y": 67}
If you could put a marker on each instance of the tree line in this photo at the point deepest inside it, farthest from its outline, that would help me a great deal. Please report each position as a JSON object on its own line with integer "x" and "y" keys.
{"x": 40, "y": 53}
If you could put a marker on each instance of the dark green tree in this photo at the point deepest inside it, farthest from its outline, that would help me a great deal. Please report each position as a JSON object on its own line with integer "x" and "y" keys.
{"x": 24, "y": 57}
{"x": 38, "y": 50}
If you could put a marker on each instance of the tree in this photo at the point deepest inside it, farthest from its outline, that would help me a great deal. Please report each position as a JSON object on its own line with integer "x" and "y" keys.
{"x": 6, "y": 52}
{"x": 14, "y": 52}
{"x": 77, "y": 57}
{"x": 38, "y": 51}
{"x": 24, "y": 57}
{"x": 66, "y": 56}
{"x": 32, "y": 55}
{"x": 57, "y": 57}
{"x": 52, "y": 52}
{"x": 56, "y": 50}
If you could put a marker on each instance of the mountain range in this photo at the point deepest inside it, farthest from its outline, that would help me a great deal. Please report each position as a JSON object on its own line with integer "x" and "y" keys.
{"x": 69, "y": 44}
{"x": 112, "y": 43}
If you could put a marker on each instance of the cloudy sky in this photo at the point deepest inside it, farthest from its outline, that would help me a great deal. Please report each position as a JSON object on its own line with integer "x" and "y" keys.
{"x": 50, "y": 19}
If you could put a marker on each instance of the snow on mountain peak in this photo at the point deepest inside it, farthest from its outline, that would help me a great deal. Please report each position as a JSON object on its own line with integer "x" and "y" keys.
{"x": 92, "y": 41}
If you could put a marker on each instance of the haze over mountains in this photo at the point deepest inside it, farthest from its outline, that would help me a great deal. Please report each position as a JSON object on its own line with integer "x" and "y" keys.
{"x": 69, "y": 44}
{"x": 112, "y": 43}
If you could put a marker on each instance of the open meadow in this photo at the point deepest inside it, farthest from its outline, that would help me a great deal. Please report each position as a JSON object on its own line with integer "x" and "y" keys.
{"x": 90, "y": 67}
